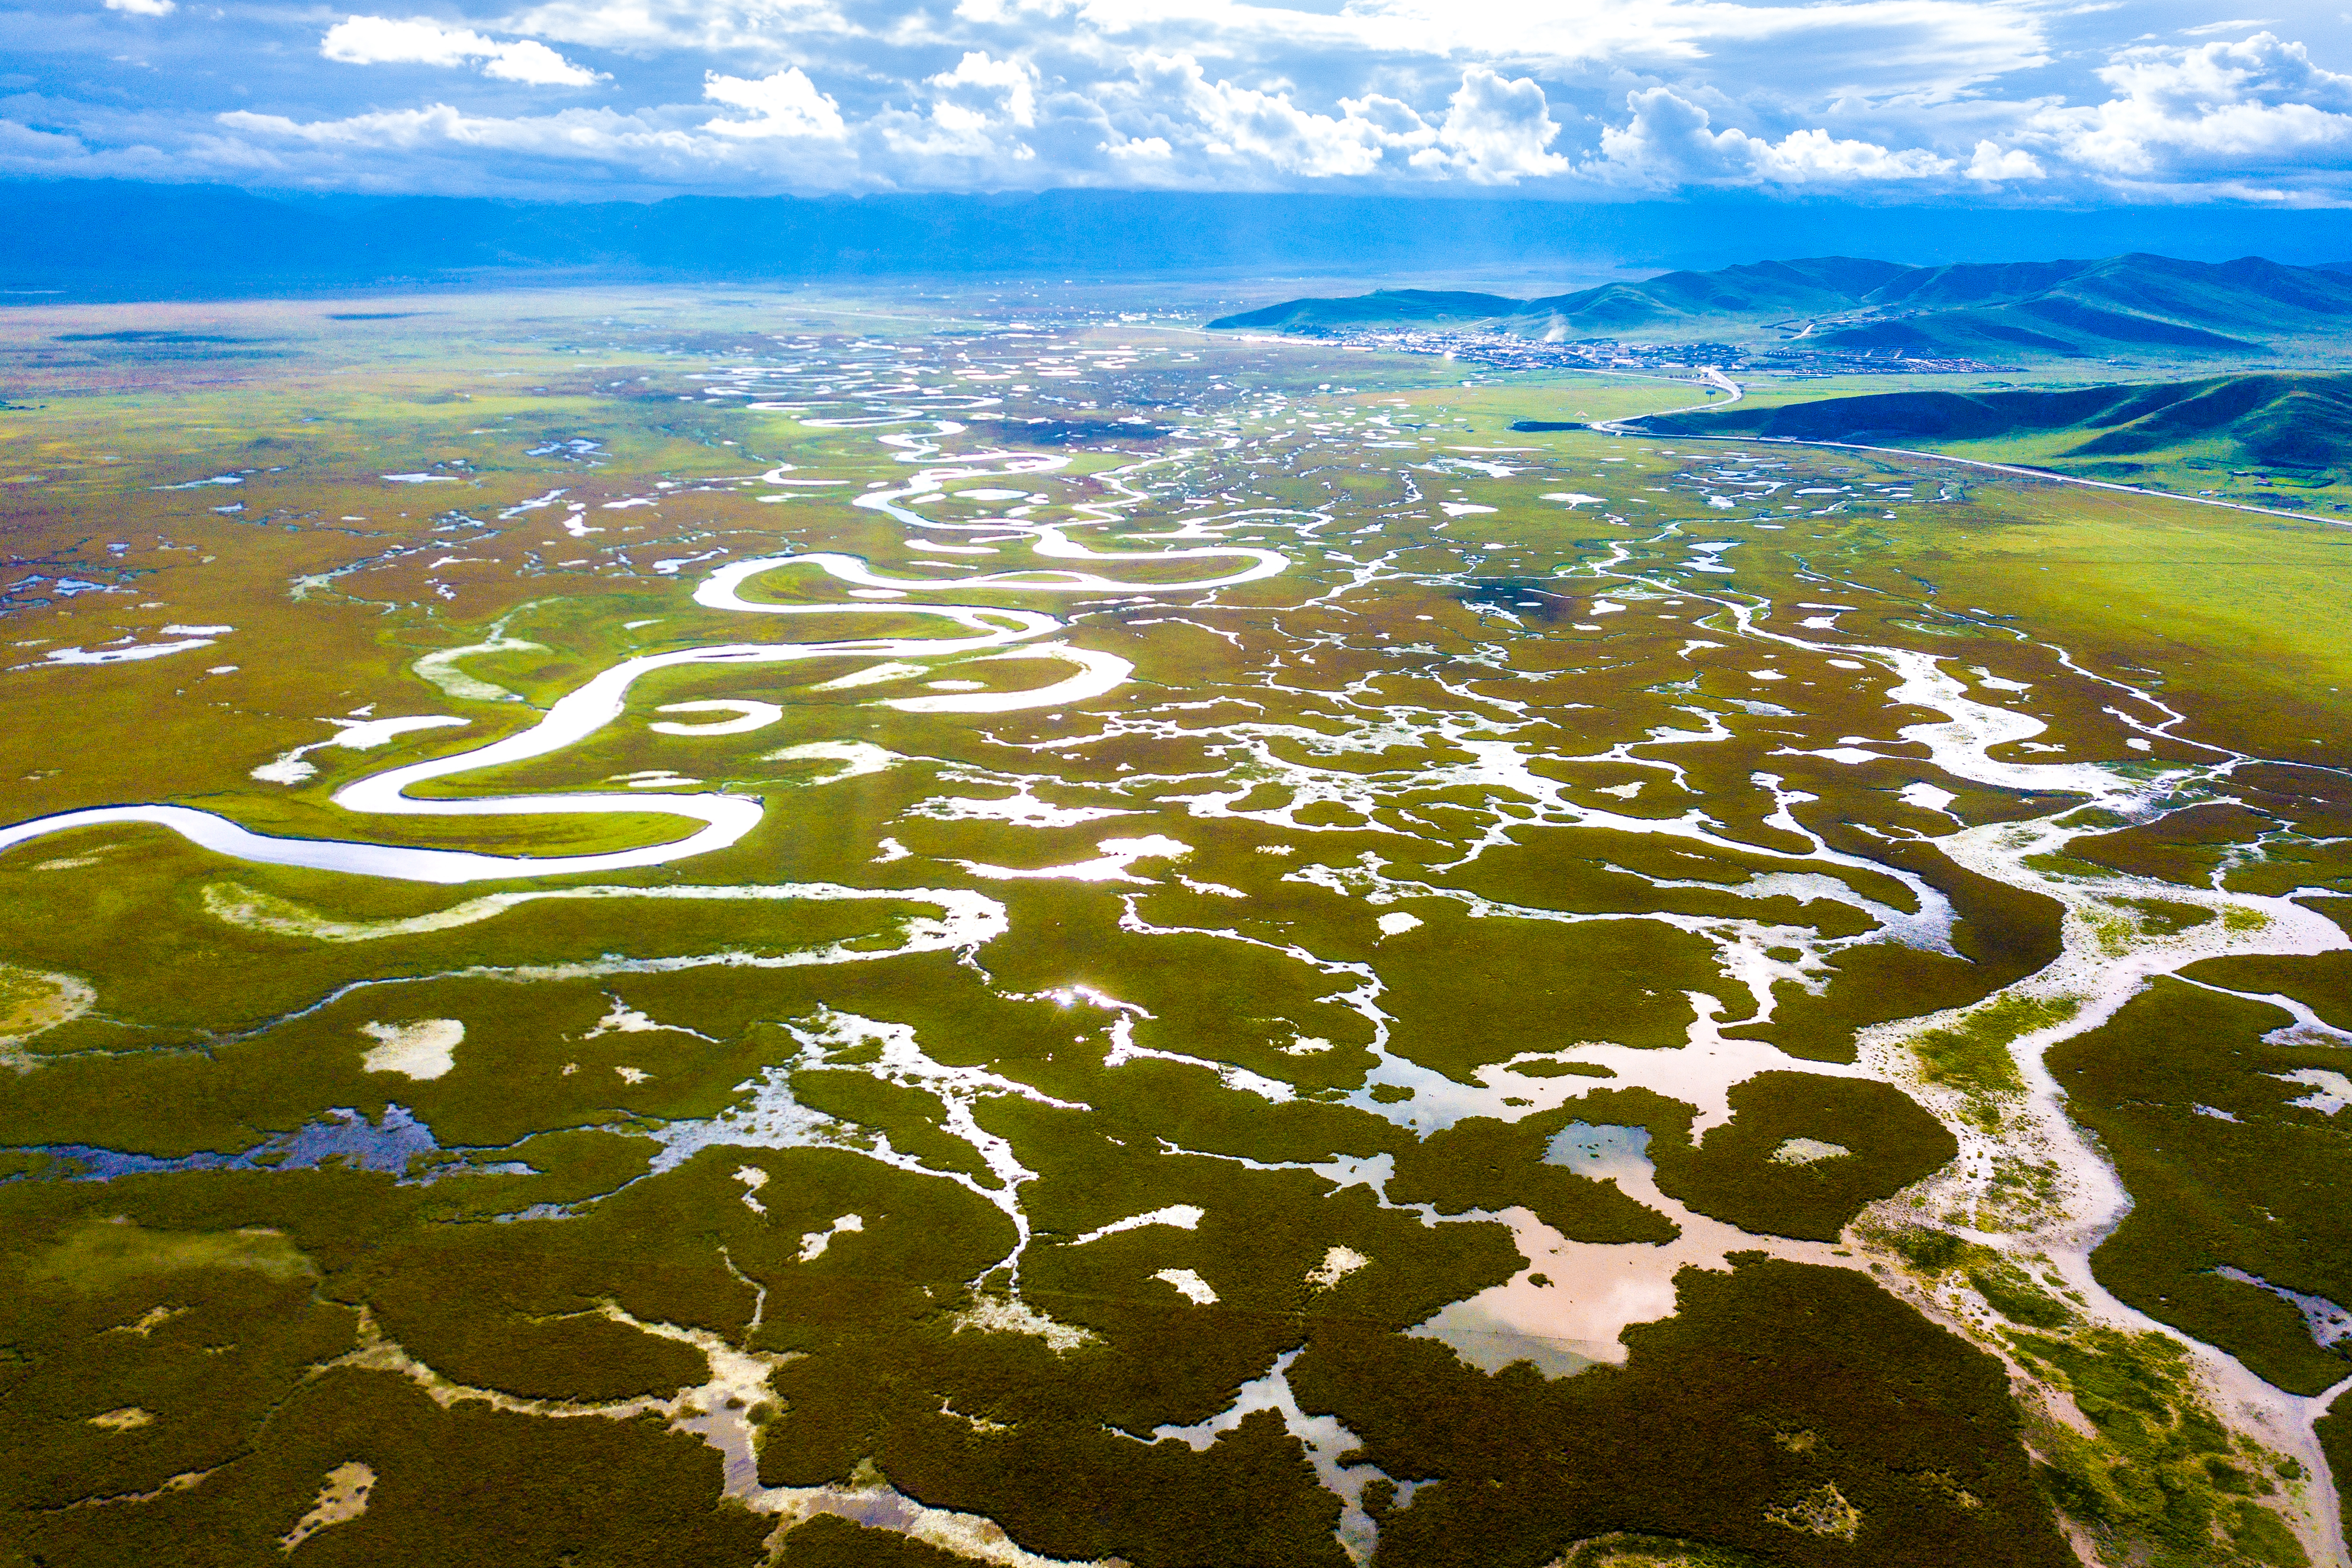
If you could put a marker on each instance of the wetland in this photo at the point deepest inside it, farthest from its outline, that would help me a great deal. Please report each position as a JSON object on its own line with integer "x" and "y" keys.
{"x": 900, "y": 928}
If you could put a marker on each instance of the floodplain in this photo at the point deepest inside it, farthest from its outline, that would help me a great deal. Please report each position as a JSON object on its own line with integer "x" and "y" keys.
{"x": 898, "y": 928}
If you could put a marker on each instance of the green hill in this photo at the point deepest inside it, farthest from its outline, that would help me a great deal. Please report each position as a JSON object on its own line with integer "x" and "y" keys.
{"x": 1763, "y": 292}
{"x": 2298, "y": 425}
{"x": 1386, "y": 306}
{"x": 2145, "y": 304}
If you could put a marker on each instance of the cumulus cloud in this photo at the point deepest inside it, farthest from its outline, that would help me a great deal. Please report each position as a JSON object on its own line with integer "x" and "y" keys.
{"x": 1670, "y": 140}
{"x": 1012, "y": 84}
{"x": 978, "y": 111}
{"x": 2259, "y": 105}
{"x": 582, "y": 134}
{"x": 1995, "y": 164}
{"x": 1396, "y": 122}
{"x": 143, "y": 7}
{"x": 382, "y": 40}
{"x": 405, "y": 137}
{"x": 795, "y": 139}
{"x": 1495, "y": 130}
{"x": 1495, "y": 133}
{"x": 784, "y": 104}
{"x": 1139, "y": 148}
{"x": 1243, "y": 126}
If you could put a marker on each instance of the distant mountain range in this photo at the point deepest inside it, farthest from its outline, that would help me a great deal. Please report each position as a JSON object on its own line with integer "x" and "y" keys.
{"x": 2075, "y": 310}
{"x": 119, "y": 239}
{"x": 2296, "y": 423}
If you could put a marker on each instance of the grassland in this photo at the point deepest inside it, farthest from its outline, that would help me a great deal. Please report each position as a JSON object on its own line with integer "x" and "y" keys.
{"x": 2279, "y": 441}
{"x": 1554, "y": 781}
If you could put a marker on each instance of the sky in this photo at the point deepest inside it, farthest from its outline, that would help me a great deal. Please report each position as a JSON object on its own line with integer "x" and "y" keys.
{"x": 1929, "y": 103}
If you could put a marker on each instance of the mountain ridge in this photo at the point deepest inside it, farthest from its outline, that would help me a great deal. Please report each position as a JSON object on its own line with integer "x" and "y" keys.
{"x": 2064, "y": 308}
{"x": 2270, "y": 420}
{"x": 127, "y": 240}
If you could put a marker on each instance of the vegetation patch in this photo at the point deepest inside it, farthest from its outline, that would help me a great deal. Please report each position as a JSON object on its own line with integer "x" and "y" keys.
{"x": 1469, "y": 992}
{"x": 1737, "y": 1172}
{"x": 1680, "y": 1443}
{"x": 1822, "y": 1511}
{"x": 2163, "y": 1482}
{"x": 1480, "y": 1163}
{"x": 2226, "y": 1170}
{"x": 31, "y": 1002}
{"x": 2003, "y": 933}
{"x": 101, "y": 1254}
{"x": 2010, "y": 1291}
{"x": 1972, "y": 1054}
{"x": 2334, "y": 1429}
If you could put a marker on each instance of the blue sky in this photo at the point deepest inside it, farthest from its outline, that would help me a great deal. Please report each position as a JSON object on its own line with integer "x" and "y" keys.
{"x": 1928, "y": 101}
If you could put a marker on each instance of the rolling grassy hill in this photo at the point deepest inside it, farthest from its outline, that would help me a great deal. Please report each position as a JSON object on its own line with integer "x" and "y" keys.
{"x": 1385, "y": 307}
{"x": 2149, "y": 305}
{"x": 2295, "y": 429}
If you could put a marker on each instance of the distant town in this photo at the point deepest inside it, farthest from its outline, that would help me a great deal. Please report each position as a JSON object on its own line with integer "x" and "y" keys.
{"x": 1502, "y": 350}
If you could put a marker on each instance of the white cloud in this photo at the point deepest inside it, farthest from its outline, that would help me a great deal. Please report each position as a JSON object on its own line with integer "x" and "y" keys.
{"x": 979, "y": 110}
{"x": 382, "y": 40}
{"x": 673, "y": 145}
{"x": 784, "y": 104}
{"x": 1237, "y": 125}
{"x": 377, "y": 40}
{"x": 2262, "y": 104}
{"x": 1495, "y": 131}
{"x": 22, "y": 147}
{"x": 1015, "y": 81}
{"x": 734, "y": 30}
{"x": 1994, "y": 165}
{"x": 1670, "y": 142}
{"x": 1397, "y": 122}
{"x": 143, "y": 7}
{"x": 2235, "y": 25}
{"x": 529, "y": 61}
{"x": 583, "y": 133}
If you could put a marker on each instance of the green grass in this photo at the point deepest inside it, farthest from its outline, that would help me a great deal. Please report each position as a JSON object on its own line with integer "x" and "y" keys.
{"x": 1483, "y": 1164}
{"x": 2162, "y": 1482}
{"x": 1732, "y": 1175}
{"x": 1972, "y": 1054}
{"x": 2282, "y": 441}
{"x": 2257, "y": 1192}
{"x": 2336, "y": 1443}
{"x": 1749, "y": 1397}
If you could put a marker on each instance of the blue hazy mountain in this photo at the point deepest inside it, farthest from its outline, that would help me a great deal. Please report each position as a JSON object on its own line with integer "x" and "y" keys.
{"x": 2072, "y": 309}
{"x": 101, "y": 238}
